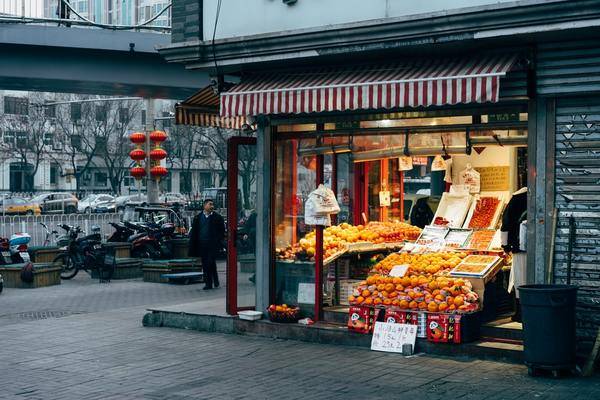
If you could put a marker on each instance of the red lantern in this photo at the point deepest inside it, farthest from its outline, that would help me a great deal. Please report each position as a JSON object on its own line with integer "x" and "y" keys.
{"x": 158, "y": 154}
{"x": 138, "y": 172}
{"x": 137, "y": 154}
{"x": 158, "y": 172}
{"x": 137, "y": 137}
{"x": 158, "y": 136}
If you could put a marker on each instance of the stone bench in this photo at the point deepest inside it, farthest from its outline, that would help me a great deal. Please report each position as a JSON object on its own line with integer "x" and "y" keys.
{"x": 44, "y": 274}
{"x": 154, "y": 269}
{"x": 121, "y": 249}
{"x": 125, "y": 268}
{"x": 43, "y": 254}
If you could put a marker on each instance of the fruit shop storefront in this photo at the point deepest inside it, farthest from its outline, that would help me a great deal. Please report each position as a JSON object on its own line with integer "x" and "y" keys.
{"x": 426, "y": 161}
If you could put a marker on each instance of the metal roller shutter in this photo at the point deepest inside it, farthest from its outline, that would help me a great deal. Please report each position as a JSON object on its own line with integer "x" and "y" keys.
{"x": 578, "y": 194}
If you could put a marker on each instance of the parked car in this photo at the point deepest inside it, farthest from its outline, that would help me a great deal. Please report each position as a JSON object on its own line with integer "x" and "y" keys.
{"x": 91, "y": 202}
{"x": 139, "y": 199}
{"x": 19, "y": 206}
{"x": 174, "y": 199}
{"x": 53, "y": 203}
{"x": 105, "y": 206}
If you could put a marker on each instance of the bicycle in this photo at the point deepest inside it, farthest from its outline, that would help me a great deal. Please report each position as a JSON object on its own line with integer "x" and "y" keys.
{"x": 49, "y": 235}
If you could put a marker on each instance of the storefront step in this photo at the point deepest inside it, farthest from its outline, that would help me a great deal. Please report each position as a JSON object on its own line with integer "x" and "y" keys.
{"x": 325, "y": 333}
{"x": 503, "y": 329}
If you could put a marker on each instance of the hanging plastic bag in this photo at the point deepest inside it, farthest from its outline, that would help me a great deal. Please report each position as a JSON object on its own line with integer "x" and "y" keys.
{"x": 324, "y": 201}
{"x": 311, "y": 217}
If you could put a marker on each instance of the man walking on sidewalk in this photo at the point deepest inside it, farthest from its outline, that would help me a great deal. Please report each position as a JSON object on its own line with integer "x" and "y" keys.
{"x": 206, "y": 238}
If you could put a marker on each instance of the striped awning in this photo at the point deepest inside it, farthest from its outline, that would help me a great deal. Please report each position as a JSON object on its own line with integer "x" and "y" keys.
{"x": 415, "y": 83}
{"x": 202, "y": 109}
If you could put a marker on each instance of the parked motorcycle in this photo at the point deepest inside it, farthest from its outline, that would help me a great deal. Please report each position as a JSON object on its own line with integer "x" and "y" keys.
{"x": 83, "y": 253}
{"x": 18, "y": 247}
{"x": 122, "y": 232}
{"x": 5, "y": 257}
{"x": 152, "y": 241}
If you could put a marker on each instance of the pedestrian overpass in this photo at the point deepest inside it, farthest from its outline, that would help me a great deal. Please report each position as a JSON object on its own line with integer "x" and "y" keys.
{"x": 94, "y": 61}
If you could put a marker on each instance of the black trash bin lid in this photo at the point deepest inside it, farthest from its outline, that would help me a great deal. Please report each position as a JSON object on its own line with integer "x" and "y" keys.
{"x": 548, "y": 295}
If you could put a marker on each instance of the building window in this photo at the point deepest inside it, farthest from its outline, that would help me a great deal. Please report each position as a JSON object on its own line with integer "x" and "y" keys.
{"x": 48, "y": 139}
{"x": 205, "y": 180}
{"x": 8, "y": 137}
{"x": 100, "y": 179}
{"x": 100, "y": 144}
{"x": 22, "y": 140}
{"x": 50, "y": 111}
{"x": 143, "y": 118}
{"x": 185, "y": 182}
{"x": 75, "y": 111}
{"x": 54, "y": 174}
{"x": 123, "y": 115}
{"x": 166, "y": 122}
{"x": 76, "y": 142}
{"x": 101, "y": 112}
{"x": 16, "y": 105}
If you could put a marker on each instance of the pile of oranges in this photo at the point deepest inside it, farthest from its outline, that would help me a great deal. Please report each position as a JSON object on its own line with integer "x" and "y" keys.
{"x": 337, "y": 237}
{"x": 426, "y": 264}
{"x": 416, "y": 292}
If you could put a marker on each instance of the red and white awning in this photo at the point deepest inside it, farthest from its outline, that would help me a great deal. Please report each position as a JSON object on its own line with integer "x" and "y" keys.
{"x": 387, "y": 86}
{"x": 202, "y": 109}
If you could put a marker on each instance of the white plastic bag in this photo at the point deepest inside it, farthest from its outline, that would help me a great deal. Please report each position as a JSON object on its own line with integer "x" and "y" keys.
{"x": 311, "y": 217}
{"x": 324, "y": 200}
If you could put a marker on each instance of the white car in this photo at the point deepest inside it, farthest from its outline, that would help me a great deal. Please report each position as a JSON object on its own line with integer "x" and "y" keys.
{"x": 91, "y": 201}
{"x": 172, "y": 199}
{"x": 130, "y": 200}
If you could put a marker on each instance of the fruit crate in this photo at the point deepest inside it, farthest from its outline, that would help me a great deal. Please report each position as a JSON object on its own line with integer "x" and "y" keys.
{"x": 346, "y": 288}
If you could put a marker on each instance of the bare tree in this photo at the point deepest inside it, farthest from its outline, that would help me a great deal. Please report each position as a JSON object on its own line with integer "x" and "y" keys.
{"x": 76, "y": 137}
{"x": 217, "y": 139}
{"x": 25, "y": 136}
{"x": 114, "y": 122}
{"x": 185, "y": 147}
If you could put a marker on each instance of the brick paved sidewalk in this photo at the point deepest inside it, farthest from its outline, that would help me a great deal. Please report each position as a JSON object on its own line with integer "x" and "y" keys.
{"x": 85, "y": 295}
{"x": 109, "y": 355}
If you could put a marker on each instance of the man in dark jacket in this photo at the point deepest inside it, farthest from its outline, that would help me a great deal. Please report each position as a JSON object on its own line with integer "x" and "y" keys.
{"x": 206, "y": 238}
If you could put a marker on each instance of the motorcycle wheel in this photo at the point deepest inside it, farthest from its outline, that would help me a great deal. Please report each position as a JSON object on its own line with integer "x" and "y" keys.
{"x": 69, "y": 270}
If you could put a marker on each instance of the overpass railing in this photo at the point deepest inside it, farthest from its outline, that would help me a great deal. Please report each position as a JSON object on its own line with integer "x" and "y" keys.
{"x": 40, "y": 13}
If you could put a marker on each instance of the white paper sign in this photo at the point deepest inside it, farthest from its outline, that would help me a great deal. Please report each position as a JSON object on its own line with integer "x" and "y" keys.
{"x": 306, "y": 293}
{"x": 384, "y": 198}
{"x": 399, "y": 270}
{"x": 391, "y": 337}
{"x": 405, "y": 163}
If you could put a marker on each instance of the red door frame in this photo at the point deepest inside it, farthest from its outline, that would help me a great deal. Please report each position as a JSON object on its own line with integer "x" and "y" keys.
{"x": 232, "y": 212}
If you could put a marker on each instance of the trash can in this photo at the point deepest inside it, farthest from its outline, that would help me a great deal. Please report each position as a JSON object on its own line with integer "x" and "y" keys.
{"x": 549, "y": 325}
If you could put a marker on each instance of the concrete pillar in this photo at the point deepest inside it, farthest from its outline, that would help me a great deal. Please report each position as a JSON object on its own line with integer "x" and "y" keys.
{"x": 151, "y": 184}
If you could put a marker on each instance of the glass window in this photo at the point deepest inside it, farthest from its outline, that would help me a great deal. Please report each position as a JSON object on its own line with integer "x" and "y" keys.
{"x": 295, "y": 178}
{"x": 100, "y": 178}
{"x": 101, "y": 112}
{"x": 16, "y": 105}
{"x": 75, "y": 111}
{"x": 54, "y": 174}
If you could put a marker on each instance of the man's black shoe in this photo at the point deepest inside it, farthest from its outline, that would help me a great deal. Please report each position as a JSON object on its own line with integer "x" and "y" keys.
{"x": 206, "y": 288}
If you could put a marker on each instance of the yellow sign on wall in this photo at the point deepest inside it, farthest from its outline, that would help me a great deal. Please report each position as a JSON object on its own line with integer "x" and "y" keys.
{"x": 494, "y": 179}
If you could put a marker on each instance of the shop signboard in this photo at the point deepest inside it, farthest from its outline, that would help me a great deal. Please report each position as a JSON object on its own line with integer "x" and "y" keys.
{"x": 494, "y": 179}
{"x": 391, "y": 337}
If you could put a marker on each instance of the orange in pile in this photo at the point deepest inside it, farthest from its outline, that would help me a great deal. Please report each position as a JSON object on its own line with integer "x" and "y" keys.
{"x": 416, "y": 292}
{"x": 427, "y": 264}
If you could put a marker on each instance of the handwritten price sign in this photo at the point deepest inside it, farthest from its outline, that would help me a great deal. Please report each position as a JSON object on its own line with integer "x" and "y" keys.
{"x": 390, "y": 337}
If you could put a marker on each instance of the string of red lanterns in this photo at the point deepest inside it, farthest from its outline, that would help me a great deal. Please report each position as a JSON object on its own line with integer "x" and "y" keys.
{"x": 154, "y": 158}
